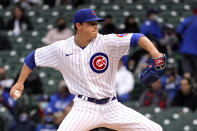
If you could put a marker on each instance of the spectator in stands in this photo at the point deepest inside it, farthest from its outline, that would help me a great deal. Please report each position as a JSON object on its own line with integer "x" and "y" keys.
{"x": 6, "y": 100}
{"x": 43, "y": 102}
{"x": 170, "y": 40}
{"x": 2, "y": 26}
{"x": 48, "y": 121}
{"x": 26, "y": 4}
{"x": 131, "y": 26}
{"x": 22, "y": 122}
{"x": 33, "y": 84}
{"x": 185, "y": 97}
{"x": 19, "y": 22}
{"x": 138, "y": 60}
{"x": 61, "y": 102}
{"x": 53, "y": 3}
{"x": 187, "y": 29}
{"x": 109, "y": 26}
{"x": 74, "y": 3}
{"x": 124, "y": 82}
{"x": 4, "y": 43}
{"x": 5, "y": 118}
{"x": 62, "y": 99}
{"x": 60, "y": 116}
{"x": 4, "y": 81}
{"x": 60, "y": 32}
{"x": 155, "y": 96}
{"x": 37, "y": 112}
{"x": 151, "y": 27}
{"x": 5, "y": 3}
{"x": 171, "y": 81}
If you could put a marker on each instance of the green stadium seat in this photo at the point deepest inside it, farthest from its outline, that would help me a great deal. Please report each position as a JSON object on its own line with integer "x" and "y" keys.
{"x": 5, "y": 118}
{"x": 44, "y": 17}
{"x": 50, "y": 79}
{"x": 131, "y": 104}
{"x": 145, "y": 110}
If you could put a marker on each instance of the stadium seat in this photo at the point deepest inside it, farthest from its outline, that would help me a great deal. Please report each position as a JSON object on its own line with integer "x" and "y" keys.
{"x": 131, "y": 104}
{"x": 5, "y": 118}
{"x": 44, "y": 18}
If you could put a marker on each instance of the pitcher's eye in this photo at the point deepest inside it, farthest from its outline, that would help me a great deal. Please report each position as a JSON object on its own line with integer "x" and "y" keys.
{"x": 92, "y": 23}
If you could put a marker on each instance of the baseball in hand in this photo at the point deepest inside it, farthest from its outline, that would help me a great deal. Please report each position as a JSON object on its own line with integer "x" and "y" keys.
{"x": 17, "y": 93}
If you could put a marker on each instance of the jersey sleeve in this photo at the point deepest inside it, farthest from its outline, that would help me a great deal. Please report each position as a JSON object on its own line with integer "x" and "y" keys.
{"x": 47, "y": 56}
{"x": 119, "y": 44}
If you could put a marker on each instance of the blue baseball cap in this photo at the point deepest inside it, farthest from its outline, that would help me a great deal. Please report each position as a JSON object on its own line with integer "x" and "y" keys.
{"x": 152, "y": 11}
{"x": 48, "y": 110}
{"x": 44, "y": 98}
{"x": 86, "y": 15}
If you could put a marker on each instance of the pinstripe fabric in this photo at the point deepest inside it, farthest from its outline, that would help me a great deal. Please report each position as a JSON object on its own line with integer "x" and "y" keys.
{"x": 74, "y": 63}
{"x": 119, "y": 117}
{"x": 82, "y": 77}
{"x": 47, "y": 56}
{"x": 85, "y": 116}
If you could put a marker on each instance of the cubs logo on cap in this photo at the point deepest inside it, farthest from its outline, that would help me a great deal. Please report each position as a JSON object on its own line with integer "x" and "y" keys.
{"x": 86, "y": 15}
{"x": 99, "y": 62}
{"x": 93, "y": 12}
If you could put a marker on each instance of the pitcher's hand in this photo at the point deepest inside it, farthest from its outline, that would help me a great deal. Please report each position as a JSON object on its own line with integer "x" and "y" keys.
{"x": 17, "y": 90}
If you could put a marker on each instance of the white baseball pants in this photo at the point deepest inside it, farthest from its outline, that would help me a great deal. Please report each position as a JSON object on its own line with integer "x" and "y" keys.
{"x": 86, "y": 115}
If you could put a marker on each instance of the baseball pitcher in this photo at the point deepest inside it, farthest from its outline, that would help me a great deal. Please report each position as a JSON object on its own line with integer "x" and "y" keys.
{"x": 88, "y": 62}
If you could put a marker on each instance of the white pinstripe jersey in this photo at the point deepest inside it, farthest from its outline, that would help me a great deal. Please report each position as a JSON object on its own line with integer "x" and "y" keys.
{"x": 89, "y": 71}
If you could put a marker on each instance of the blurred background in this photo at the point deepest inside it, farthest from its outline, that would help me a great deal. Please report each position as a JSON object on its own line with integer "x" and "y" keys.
{"x": 171, "y": 25}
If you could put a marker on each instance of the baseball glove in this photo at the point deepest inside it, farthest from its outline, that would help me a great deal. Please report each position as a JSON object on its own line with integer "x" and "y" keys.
{"x": 154, "y": 70}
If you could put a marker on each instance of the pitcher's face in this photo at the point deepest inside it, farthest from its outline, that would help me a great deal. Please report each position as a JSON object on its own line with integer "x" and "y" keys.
{"x": 89, "y": 28}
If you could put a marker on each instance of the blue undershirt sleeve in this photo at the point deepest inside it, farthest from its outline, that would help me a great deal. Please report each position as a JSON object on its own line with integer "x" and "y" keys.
{"x": 30, "y": 60}
{"x": 135, "y": 39}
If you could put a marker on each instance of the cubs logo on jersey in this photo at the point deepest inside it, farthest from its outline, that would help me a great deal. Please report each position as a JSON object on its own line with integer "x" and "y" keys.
{"x": 99, "y": 62}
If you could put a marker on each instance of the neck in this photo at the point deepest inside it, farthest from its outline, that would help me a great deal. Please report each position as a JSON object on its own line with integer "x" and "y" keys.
{"x": 186, "y": 93}
{"x": 81, "y": 41}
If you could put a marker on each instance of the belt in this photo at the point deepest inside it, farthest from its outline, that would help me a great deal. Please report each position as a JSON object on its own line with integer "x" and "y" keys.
{"x": 97, "y": 101}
